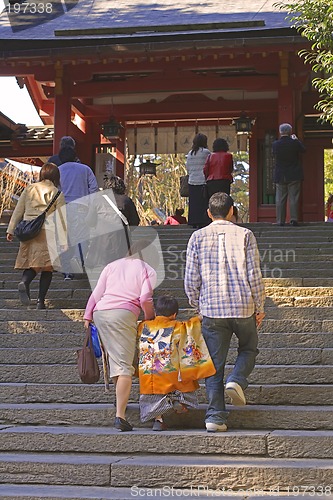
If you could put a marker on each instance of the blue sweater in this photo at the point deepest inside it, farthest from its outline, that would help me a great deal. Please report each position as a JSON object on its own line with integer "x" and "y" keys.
{"x": 77, "y": 180}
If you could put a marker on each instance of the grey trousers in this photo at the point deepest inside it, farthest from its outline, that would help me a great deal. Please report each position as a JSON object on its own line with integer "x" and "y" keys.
{"x": 289, "y": 190}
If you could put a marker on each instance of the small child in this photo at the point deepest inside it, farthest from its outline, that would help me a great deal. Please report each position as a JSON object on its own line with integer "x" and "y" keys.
{"x": 329, "y": 209}
{"x": 172, "y": 357}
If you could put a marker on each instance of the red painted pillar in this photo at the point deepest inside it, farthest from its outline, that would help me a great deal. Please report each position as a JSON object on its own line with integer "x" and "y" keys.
{"x": 253, "y": 178}
{"x": 286, "y": 106}
{"x": 62, "y": 105}
{"x": 120, "y": 154}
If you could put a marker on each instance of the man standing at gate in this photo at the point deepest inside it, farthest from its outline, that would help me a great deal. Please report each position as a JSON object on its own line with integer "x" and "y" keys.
{"x": 223, "y": 283}
{"x": 288, "y": 174}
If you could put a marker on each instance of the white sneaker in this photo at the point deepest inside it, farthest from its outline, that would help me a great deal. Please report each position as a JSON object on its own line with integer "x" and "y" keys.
{"x": 212, "y": 427}
{"x": 235, "y": 393}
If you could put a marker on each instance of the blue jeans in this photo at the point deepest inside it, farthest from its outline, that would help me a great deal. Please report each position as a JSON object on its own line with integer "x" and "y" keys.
{"x": 217, "y": 333}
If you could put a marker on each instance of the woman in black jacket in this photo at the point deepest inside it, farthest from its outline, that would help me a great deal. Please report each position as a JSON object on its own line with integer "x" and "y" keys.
{"x": 109, "y": 212}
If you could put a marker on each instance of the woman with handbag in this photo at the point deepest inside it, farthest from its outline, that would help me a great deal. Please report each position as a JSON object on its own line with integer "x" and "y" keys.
{"x": 108, "y": 234}
{"x": 125, "y": 286}
{"x": 33, "y": 255}
{"x": 198, "y": 202}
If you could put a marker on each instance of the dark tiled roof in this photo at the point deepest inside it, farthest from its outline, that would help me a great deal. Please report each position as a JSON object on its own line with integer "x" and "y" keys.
{"x": 98, "y": 14}
{"x": 23, "y": 133}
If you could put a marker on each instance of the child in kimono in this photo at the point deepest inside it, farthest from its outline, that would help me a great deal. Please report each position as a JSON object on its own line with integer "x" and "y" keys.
{"x": 172, "y": 357}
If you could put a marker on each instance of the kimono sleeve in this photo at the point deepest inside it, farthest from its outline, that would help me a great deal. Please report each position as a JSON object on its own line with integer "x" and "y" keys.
{"x": 195, "y": 360}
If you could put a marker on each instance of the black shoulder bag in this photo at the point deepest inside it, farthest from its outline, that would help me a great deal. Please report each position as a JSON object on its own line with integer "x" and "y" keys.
{"x": 29, "y": 229}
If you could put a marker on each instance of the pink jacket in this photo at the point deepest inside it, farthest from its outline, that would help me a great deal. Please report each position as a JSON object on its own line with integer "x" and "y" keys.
{"x": 126, "y": 283}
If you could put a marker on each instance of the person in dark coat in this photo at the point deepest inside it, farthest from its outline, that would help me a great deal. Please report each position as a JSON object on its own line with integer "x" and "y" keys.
{"x": 109, "y": 238}
{"x": 66, "y": 141}
{"x": 288, "y": 173}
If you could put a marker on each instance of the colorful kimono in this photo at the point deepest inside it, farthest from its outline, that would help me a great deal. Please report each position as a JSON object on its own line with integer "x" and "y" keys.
{"x": 172, "y": 357}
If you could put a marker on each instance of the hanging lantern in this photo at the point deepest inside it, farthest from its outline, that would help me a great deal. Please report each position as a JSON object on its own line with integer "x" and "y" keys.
{"x": 111, "y": 129}
{"x": 243, "y": 124}
{"x": 147, "y": 168}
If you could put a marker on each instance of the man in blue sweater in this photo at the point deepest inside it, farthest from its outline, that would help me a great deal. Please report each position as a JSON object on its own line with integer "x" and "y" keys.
{"x": 77, "y": 181}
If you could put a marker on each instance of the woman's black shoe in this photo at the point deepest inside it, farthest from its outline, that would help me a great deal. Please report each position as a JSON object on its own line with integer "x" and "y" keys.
{"x": 23, "y": 291}
{"x": 122, "y": 425}
{"x": 40, "y": 304}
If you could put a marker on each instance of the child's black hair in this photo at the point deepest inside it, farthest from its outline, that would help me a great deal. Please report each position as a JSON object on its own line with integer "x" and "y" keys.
{"x": 166, "y": 306}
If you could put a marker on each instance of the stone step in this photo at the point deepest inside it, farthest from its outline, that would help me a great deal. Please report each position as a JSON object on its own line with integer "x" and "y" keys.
{"x": 175, "y": 253}
{"x": 285, "y": 314}
{"x": 262, "y": 374}
{"x": 48, "y": 492}
{"x": 74, "y": 340}
{"x": 266, "y": 356}
{"x": 299, "y": 291}
{"x": 11, "y": 280}
{"x": 41, "y": 492}
{"x": 255, "y": 417}
{"x": 108, "y": 440}
{"x": 51, "y": 323}
{"x": 80, "y": 298}
{"x": 175, "y": 273}
{"x": 180, "y": 471}
{"x": 272, "y": 444}
{"x": 281, "y": 394}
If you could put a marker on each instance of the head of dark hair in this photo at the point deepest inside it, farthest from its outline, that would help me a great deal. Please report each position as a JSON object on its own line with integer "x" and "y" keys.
{"x": 116, "y": 184}
{"x": 67, "y": 153}
{"x": 67, "y": 140}
{"x": 166, "y": 306}
{"x": 235, "y": 211}
{"x": 329, "y": 200}
{"x": 220, "y": 204}
{"x": 50, "y": 171}
{"x": 179, "y": 211}
{"x": 220, "y": 145}
{"x": 199, "y": 141}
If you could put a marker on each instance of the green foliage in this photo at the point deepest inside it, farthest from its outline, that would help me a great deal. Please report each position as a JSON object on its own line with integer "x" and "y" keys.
{"x": 161, "y": 192}
{"x": 328, "y": 182}
{"x": 240, "y": 186}
{"x": 314, "y": 20}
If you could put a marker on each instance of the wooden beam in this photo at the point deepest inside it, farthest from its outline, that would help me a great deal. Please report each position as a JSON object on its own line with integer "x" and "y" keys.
{"x": 192, "y": 109}
{"x": 187, "y": 82}
{"x": 30, "y": 150}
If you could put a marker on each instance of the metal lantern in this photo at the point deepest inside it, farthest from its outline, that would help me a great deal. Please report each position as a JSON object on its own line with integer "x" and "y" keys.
{"x": 147, "y": 168}
{"x": 111, "y": 129}
{"x": 243, "y": 124}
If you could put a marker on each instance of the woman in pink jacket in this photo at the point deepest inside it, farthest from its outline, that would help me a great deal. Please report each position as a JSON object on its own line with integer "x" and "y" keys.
{"x": 125, "y": 286}
{"x": 218, "y": 168}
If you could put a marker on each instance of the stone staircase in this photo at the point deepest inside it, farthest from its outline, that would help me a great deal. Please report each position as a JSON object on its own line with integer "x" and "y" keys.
{"x": 56, "y": 434}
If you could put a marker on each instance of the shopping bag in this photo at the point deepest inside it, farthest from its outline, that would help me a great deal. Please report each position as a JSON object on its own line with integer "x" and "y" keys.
{"x": 95, "y": 341}
{"x": 86, "y": 361}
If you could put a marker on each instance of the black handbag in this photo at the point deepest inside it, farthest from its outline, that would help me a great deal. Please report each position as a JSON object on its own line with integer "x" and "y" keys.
{"x": 29, "y": 229}
{"x": 183, "y": 190}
